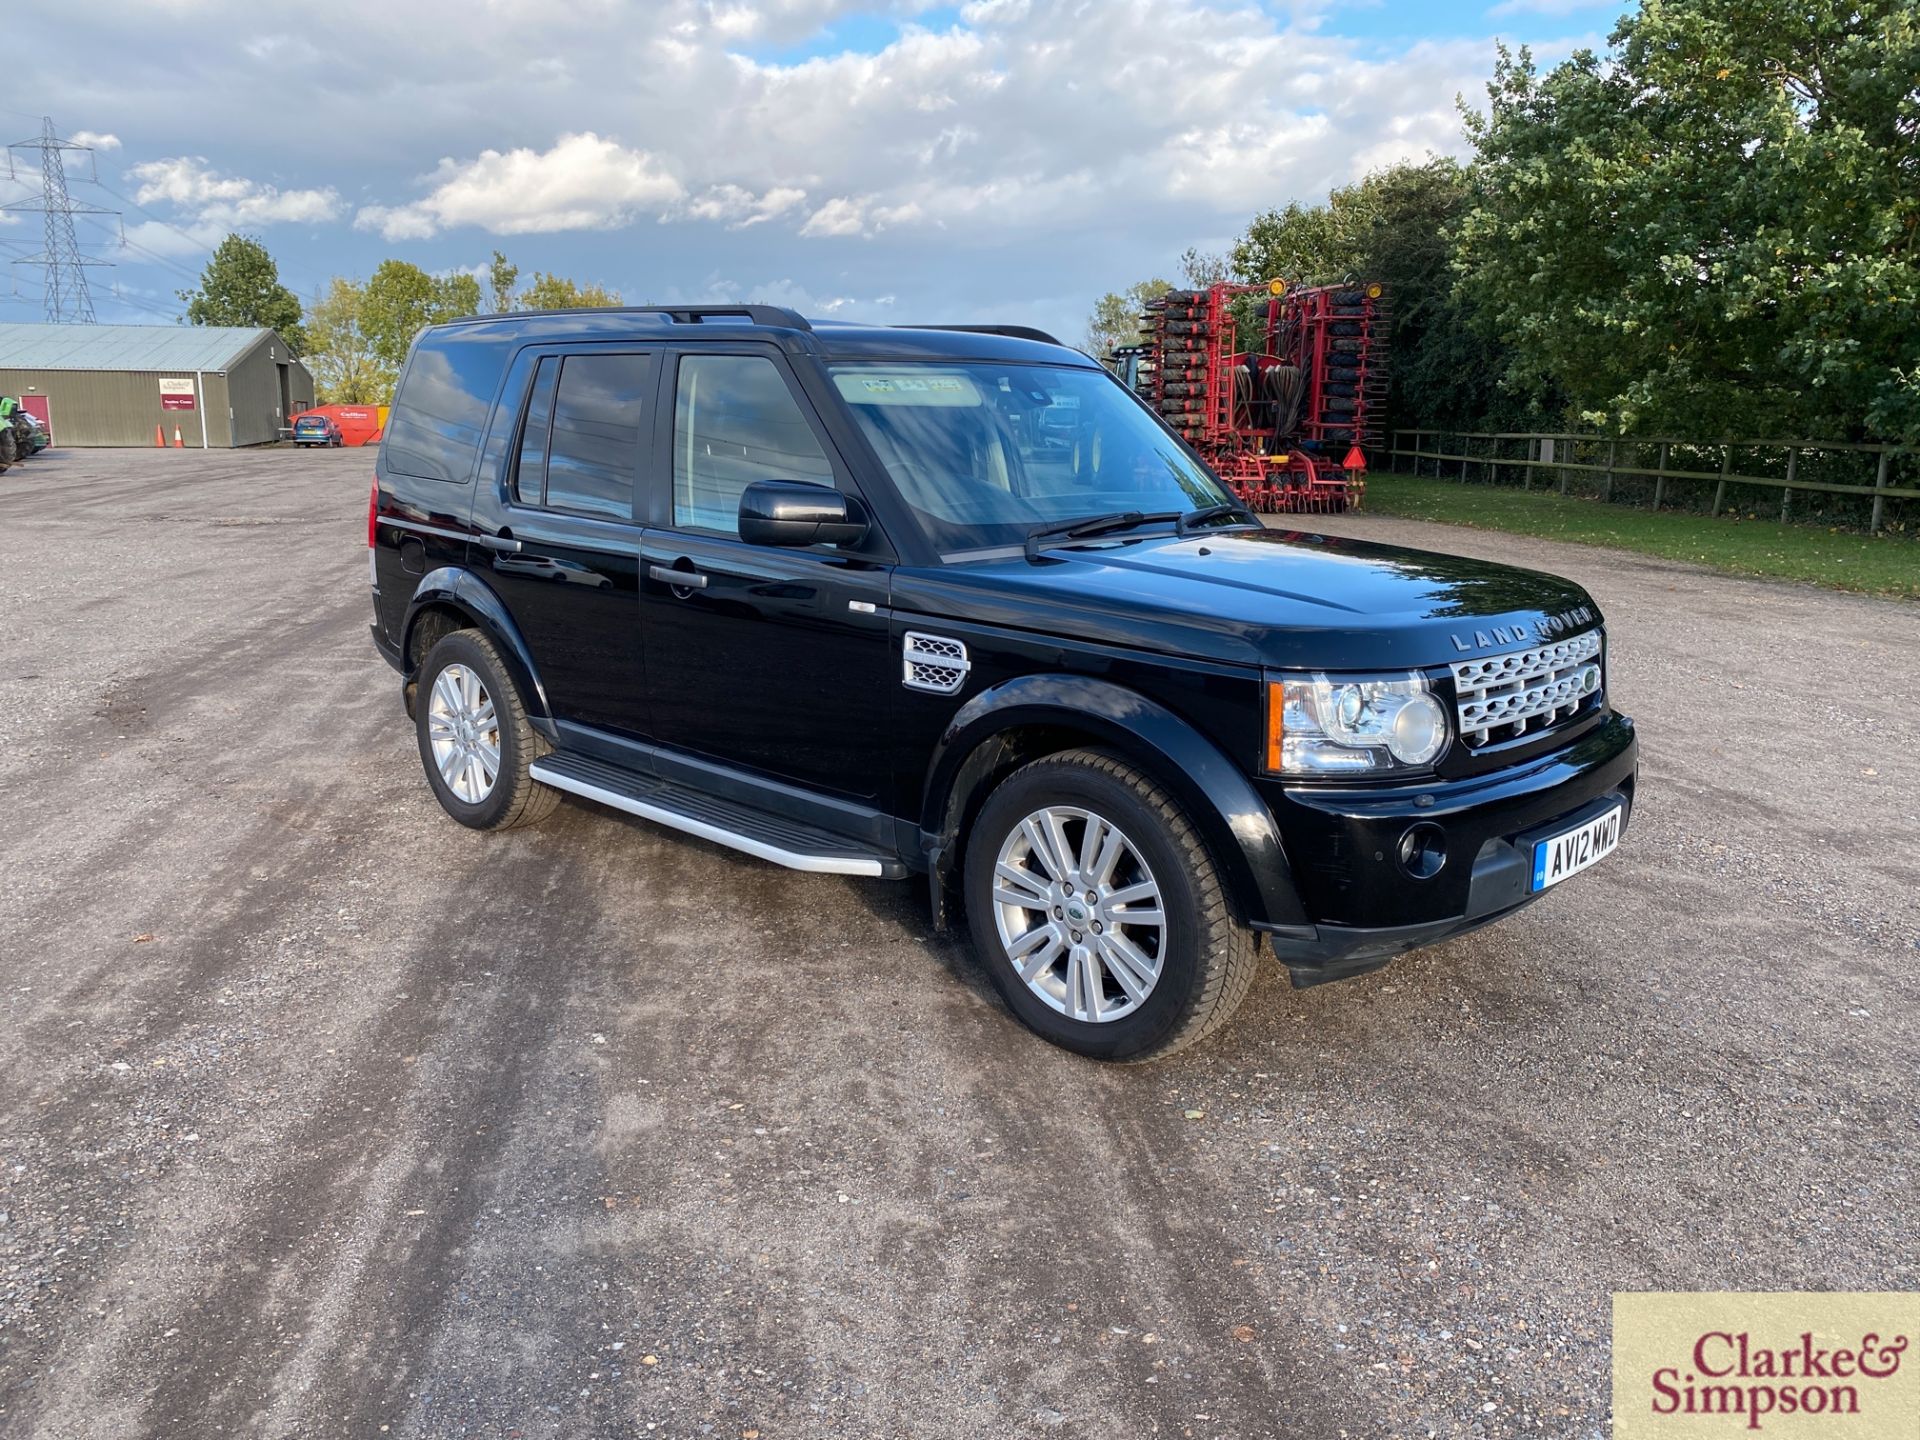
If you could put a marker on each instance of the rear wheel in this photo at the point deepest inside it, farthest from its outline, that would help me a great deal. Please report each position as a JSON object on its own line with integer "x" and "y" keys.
{"x": 1099, "y": 912}
{"x": 476, "y": 742}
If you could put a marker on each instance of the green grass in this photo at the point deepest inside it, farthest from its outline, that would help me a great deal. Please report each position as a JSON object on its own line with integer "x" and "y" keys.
{"x": 1841, "y": 559}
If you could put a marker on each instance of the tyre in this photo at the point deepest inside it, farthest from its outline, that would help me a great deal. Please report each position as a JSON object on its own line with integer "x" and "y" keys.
{"x": 1099, "y": 913}
{"x": 9, "y": 446}
{"x": 476, "y": 744}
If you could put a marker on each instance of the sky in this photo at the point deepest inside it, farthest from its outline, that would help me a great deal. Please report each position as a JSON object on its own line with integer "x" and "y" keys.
{"x": 903, "y": 162}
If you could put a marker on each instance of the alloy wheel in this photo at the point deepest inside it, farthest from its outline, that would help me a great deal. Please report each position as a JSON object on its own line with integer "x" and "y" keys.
{"x": 464, "y": 733}
{"x": 1079, "y": 914}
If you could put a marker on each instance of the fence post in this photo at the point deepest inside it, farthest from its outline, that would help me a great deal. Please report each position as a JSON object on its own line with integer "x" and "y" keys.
{"x": 1786, "y": 491}
{"x": 1879, "y": 501}
{"x": 1606, "y": 481}
{"x": 1466, "y": 444}
{"x": 1726, "y": 469}
{"x": 1563, "y": 474}
{"x": 1660, "y": 480}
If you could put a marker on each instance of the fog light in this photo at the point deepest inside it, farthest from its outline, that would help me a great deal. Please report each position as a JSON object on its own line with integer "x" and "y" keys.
{"x": 1423, "y": 851}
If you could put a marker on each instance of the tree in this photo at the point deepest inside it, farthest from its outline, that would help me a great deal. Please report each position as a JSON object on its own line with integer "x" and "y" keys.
{"x": 1116, "y": 317}
{"x": 1713, "y": 227}
{"x": 401, "y": 299}
{"x": 241, "y": 286}
{"x": 455, "y": 295}
{"x": 502, "y": 276}
{"x": 1202, "y": 268}
{"x": 346, "y": 368}
{"x": 556, "y": 292}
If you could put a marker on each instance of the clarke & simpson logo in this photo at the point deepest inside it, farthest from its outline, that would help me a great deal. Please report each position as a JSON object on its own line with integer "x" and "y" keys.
{"x": 1724, "y": 1364}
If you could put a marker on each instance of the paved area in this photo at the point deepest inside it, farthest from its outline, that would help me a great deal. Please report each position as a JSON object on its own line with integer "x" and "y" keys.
{"x": 321, "y": 1116}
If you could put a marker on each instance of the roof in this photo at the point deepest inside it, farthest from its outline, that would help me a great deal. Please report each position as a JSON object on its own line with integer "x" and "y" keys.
{"x": 125, "y": 347}
{"x": 933, "y": 342}
{"x": 832, "y": 339}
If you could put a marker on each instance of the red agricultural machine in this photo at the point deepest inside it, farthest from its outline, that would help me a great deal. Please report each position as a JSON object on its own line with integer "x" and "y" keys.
{"x": 1288, "y": 421}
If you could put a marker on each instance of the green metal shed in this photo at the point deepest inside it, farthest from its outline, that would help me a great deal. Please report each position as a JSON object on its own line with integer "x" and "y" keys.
{"x": 220, "y": 386}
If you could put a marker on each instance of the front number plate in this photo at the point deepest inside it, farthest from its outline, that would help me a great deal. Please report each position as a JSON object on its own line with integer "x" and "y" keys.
{"x": 1572, "y": 851}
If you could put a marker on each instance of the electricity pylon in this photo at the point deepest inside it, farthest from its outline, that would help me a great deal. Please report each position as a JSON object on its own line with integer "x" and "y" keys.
{"x": 68, "y": 300}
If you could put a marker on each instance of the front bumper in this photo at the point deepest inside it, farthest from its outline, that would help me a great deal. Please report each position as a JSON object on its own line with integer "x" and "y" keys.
{"x": 1367, "y": 907}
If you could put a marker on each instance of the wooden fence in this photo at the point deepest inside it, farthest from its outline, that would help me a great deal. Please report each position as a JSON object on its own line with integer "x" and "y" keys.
{"x": 1522, "y": 453}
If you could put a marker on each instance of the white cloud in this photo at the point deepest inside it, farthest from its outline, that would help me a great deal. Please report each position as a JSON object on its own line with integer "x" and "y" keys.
{"x": 1551, "y": 8}
{"x": 737, "y": 207}
{"x": 191, "y": 240}
{"x": 839, "y": 216}
{"x": 95, "y": 139}
{"x": 227, "y": 201}
{"x": 781, "y": 21}
{"x": 584, "y": 182}
{"x": 998, "y": 158}
{"x": 717, "y": 289}
{"x": 863, "y": 216}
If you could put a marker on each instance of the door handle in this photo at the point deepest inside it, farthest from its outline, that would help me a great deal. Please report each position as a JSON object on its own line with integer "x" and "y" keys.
{"x": 678, "y": 579}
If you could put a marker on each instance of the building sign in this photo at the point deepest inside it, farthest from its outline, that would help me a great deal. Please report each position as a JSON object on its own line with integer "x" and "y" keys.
{"x": 176, "y": 395}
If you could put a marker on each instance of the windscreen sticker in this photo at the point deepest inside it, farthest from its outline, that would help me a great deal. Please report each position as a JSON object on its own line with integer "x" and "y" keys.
{"x": 907, "y": 387}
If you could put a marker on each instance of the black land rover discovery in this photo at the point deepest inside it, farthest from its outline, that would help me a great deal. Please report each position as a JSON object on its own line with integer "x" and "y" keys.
{"x": 950, "y": 602}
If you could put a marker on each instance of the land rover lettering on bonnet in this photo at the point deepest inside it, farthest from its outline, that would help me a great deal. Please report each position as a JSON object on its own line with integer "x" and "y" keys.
{"x": 950, "y": 605}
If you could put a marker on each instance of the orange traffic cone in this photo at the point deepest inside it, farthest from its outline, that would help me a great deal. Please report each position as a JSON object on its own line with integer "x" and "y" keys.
{"x": 159, "y": 437}
{"x": 178, "y": 443}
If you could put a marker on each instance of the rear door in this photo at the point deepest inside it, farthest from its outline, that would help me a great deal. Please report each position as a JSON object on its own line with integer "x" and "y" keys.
{"x": 768, "y": 659}
{"x": 568, "y": 497}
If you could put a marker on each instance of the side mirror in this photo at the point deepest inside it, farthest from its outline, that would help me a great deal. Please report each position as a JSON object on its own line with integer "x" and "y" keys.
{"x": 793, "y": 512}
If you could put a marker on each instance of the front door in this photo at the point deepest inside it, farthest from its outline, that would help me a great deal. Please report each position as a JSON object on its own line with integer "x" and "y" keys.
{"x": 767, "y": 659}
{"x": 572, "y": 586}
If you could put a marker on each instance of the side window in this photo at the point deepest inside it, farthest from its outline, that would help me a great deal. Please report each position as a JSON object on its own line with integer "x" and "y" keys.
{"x": 580, "y": 446}
{"x": 441, "y": 409}
{"x": 530, "y": 473}
{"x": 735, "y": 422}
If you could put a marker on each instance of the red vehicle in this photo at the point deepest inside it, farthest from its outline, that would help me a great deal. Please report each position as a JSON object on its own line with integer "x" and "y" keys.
{"x": 1286, "y": 421}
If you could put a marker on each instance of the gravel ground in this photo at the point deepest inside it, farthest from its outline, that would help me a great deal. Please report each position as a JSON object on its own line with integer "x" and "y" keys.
{"x": 321, "y": 1116}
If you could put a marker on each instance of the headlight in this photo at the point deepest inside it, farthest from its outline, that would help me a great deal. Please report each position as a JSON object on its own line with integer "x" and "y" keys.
{"x": 1324, "y": 725}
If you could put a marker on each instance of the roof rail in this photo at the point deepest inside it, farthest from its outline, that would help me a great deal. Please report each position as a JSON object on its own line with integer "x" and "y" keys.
{"x": 775, "y": 316}
{"x": 1017, "y": 332}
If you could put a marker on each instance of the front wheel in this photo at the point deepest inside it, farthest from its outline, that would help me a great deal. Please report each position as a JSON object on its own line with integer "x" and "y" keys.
{"x": 1099, "y": 913}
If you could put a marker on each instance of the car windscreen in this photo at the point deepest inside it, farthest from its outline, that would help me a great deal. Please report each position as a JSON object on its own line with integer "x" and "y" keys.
{"x": 984, "y": 452}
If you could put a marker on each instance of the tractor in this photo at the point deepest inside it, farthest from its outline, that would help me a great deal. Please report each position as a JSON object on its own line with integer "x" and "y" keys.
{"x": 1286, "y": 421}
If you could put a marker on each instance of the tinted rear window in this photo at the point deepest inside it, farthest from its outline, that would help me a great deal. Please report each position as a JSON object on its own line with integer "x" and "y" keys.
{"x": 580, "y": 446}
{"x": 441, "y": 410}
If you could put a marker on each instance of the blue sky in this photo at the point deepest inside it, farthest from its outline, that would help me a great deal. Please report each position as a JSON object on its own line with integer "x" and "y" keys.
{"x": 996, "y": 160}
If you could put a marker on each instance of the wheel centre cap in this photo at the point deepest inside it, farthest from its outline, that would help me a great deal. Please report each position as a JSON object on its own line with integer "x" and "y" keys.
{"x": 1076, "y": 911}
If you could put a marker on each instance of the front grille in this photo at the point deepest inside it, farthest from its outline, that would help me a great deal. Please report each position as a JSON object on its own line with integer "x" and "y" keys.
{"x": 1507, "y": 696}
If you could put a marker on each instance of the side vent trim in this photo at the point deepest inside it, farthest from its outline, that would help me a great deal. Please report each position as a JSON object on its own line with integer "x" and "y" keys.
{"x": 933, "y": 663}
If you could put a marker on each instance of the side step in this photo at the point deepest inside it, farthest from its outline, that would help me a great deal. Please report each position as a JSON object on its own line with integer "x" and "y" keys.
{"x": 791, "y": 843}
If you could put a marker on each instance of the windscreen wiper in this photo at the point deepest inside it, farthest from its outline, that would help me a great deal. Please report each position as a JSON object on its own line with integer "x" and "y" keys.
{"x": 1089, "y": 526}
{"x": 1194, "y": 519}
